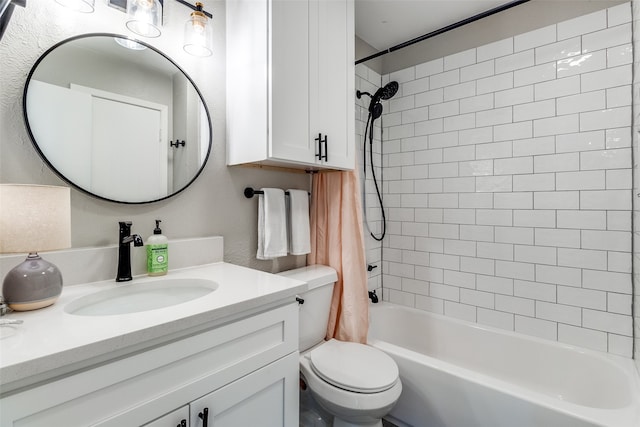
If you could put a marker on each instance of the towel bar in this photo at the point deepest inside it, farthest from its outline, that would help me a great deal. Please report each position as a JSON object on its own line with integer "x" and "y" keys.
{"x": 250, "y": 192}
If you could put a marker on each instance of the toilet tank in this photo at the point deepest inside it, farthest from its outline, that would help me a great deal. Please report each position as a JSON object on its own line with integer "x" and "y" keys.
{"x": 314, "y": 313}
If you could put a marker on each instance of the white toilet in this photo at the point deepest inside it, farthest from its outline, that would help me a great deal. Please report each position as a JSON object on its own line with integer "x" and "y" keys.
{"x": 356, "y": 383}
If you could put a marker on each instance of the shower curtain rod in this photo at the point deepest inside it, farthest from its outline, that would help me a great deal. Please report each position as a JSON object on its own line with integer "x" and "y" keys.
{"x": 445, "y": 29}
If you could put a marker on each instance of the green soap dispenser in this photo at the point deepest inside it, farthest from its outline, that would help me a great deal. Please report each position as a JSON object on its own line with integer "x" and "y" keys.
{"x": 157, "y": 252}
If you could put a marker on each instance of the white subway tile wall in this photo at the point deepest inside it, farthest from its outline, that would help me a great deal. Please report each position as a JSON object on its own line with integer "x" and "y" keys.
{"x": 615, "y": 141}
{"x": 367, "y": 80}
{"x": 508, "y": 186}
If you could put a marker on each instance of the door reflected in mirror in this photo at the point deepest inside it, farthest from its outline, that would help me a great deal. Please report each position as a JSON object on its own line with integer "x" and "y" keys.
{"x": 119, "y": 122}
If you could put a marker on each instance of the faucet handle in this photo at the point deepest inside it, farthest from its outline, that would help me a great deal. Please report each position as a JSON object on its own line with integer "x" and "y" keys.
{"x": 137, "y": 240}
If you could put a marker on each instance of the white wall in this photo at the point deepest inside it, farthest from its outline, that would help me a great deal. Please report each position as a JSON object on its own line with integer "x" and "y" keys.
{"x": 508, "y": 183}
{"x": 213, "y": 205}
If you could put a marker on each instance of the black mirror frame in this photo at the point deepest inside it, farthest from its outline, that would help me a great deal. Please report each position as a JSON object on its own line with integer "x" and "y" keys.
{"x": 76, "y": 186}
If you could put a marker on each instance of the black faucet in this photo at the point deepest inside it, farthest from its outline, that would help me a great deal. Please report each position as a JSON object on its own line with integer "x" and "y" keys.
{"x": 373, "y": 296}
{"x": 124, "y": 251}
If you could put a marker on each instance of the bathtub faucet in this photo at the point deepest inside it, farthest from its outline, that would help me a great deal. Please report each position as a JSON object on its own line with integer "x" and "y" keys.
{"x": 373, "y": 296}
{"x": 124, "y": 250}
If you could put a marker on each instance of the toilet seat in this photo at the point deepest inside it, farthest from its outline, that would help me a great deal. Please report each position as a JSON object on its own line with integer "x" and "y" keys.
{"x": 354, "y": 367}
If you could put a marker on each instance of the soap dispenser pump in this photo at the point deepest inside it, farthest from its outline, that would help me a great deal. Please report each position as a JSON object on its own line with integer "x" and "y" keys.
{"x": 157, "y": 252}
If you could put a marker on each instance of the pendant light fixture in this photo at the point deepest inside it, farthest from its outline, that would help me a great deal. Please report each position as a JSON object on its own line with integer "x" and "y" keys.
{"x": 198, "y": 33}
{"x": 145, "y": 17}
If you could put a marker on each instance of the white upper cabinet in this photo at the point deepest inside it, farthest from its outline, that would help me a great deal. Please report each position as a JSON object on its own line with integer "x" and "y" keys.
{"x": 290, "y": 83}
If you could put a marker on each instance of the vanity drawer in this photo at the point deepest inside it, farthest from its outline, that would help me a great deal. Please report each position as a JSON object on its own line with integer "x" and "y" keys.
{"x": 139, "y": 388}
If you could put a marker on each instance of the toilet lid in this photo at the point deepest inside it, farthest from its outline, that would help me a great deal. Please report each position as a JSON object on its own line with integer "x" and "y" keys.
{"x": 354, "y": 367}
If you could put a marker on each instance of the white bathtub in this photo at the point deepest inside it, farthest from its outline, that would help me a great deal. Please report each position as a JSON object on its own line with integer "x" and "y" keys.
{"x": 461, "y": 374}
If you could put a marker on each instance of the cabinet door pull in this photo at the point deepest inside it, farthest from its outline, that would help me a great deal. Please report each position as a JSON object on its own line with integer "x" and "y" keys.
{"x": 326, "y": 150}
{"x": 319, "y": 140}
{"x": 204, "y": 416}
{"x": 183, "y": 423}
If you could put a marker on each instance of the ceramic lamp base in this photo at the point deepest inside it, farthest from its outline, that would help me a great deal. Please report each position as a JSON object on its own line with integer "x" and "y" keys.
{"x": 33, "y": 284}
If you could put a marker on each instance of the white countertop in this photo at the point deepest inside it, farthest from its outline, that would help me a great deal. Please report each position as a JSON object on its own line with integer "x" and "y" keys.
{"x": 52, "y": 342}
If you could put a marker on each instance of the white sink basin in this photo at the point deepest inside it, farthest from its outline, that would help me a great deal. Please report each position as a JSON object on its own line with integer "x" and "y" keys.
{"x": 135, "y": 298}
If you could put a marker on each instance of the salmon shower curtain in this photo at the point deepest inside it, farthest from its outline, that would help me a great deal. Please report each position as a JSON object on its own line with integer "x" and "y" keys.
{"x": 337, "y": 240}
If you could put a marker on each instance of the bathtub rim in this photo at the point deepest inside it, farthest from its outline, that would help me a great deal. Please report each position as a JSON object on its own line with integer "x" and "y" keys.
{"x": 610, "y": 357}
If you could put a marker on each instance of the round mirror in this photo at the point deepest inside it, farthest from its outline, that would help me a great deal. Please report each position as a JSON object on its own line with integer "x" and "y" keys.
{"x": 117, "y": 119}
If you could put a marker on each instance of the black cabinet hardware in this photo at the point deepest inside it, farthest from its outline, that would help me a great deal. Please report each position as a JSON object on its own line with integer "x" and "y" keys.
{"x": 326, "y": 150}
{"x": 204, "y": 416}
{"x": 318, "y": 140}
{"x": 322, "y": 141}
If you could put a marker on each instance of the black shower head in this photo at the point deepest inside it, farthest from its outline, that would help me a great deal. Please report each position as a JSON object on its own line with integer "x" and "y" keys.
{"x": 385, "y": 92}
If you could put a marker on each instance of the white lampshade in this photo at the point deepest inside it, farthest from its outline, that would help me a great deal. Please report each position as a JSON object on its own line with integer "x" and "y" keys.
{"x": 34, "y": 218}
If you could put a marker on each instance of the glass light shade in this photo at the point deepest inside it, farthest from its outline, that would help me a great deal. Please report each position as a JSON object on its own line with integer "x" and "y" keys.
{"x": 198, "y": 35}
{"x": 33, "y": 218}
{"x": 145, "y": 17}
{"x": 84, "y": 6}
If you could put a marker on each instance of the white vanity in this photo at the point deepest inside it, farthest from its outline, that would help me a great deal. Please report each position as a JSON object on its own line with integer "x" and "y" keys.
{"x": 231, "y": 355}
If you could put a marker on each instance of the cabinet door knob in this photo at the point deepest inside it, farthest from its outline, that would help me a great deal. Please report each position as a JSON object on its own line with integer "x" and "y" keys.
{"x": 183, "y": 423}
{"x": 204, "y": 416}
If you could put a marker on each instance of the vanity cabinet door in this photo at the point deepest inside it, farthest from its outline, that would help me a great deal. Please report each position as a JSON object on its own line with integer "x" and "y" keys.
{"x": 267, "y": 397}
{"x": 177, "y": 418}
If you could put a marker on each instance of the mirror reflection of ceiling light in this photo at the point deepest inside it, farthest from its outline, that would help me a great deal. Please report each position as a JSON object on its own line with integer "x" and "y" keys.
{"x": 129, "y": 43}
{"x": 145, "y": 19}
{"x": 84, "y": 6}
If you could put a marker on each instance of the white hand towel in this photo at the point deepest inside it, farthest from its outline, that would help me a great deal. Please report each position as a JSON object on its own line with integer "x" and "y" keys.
{"x": 298, "y": 222}
{"x": 272, "y": 224}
